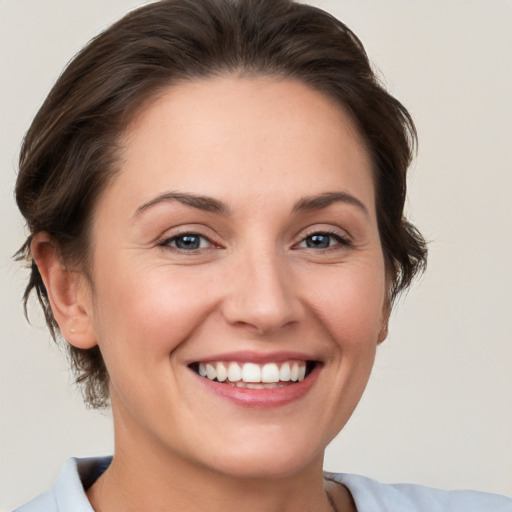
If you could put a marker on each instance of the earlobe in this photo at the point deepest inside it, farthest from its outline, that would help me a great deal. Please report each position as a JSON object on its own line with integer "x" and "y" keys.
{"x": 68, "y": 293}
{"x": 383, "y": 332}
{"x": 386, "y": 312}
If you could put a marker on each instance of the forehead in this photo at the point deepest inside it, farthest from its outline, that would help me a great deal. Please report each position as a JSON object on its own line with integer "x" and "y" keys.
{"x": 228, "y": 136}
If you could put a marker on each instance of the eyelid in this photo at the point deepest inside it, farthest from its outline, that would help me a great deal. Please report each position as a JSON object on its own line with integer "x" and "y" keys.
{"x": 340, "y": 241}
{"x": 168, "y": 237}
{"x": 169, "y": 241}
{"x": 340, "y": 234}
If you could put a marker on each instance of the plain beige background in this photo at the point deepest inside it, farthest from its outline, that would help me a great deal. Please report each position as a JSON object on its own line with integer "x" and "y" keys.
{"x": 438, "y": 407}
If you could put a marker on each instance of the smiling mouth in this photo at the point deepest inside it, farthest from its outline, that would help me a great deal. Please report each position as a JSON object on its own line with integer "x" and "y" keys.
{"x": 254, "y": 376}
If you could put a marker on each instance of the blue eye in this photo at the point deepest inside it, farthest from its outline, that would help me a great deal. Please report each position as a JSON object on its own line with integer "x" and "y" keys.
{"x": 322, "y": 241}
{"x": 187, "y": 242}
{"x": 319, "y": 241}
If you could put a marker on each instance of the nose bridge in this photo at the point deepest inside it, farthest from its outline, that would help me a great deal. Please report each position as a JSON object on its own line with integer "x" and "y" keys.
{"x": 262, "y": 294}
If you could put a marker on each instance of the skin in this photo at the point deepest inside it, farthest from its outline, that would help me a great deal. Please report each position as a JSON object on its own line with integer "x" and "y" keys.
{"x": 260, "y": 146}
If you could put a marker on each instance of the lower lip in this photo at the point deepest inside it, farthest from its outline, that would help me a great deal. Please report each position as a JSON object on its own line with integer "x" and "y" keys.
{"x": 262, "y": 398}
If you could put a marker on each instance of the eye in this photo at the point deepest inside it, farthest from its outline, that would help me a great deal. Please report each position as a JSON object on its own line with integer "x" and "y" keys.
{"x": 322, "y": 240}
{"x": 187, "y": 242}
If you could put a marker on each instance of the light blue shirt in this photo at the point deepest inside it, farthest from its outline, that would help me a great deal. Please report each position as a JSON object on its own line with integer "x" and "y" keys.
{"x": 68, "y": 495}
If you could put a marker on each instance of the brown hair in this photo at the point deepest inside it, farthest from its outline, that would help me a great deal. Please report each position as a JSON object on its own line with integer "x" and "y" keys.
{"x": 69, "y": 153}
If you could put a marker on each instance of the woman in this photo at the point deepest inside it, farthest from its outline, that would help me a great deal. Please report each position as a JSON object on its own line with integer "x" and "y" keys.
{"x": 214, "y": 192}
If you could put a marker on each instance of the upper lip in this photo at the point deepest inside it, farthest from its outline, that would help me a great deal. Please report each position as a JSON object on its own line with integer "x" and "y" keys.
{"x": 255, "y": 357}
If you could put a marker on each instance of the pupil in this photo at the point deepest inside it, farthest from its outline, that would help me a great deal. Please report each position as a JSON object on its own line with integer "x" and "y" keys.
{"x": 188, "y": 242}
{"x": 318, "y": 241}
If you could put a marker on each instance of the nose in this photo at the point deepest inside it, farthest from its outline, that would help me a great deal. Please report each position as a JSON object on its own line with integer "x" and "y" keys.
{"x": 262, "y": 296}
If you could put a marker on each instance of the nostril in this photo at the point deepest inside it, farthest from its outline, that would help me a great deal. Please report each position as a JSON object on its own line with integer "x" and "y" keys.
{"x": 262, "y": 301}
{"x": 260, "y": 320}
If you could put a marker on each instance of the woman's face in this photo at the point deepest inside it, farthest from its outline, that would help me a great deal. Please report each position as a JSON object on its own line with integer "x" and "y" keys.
{"x": 239, "y": 238}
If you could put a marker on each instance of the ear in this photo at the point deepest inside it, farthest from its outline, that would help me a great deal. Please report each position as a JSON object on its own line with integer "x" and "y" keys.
{"x": 68, "y": 291}
{"x": 386, "y": 312}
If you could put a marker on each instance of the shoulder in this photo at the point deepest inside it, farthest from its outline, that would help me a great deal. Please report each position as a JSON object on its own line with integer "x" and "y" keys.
{"x": 44, "y": 502}
{"x": 372, "y": 496}
{"x": 68, "y": 491}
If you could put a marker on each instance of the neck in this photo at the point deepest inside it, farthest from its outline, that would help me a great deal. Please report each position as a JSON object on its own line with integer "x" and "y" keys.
{"x": 131, "y": 485}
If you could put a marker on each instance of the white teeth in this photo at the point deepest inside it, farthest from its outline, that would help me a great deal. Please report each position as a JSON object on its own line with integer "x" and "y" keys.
{"x": 284, "y": 372}
{"x": 270, "y": 373}
{"x": 294, "y": 373}
{"x": 252, "y": 373}
{"x": 222, "y": 372}
{"x": 210, "y": 372}
{"x": 234, "y": 372}
{"x": 302, "y": 372}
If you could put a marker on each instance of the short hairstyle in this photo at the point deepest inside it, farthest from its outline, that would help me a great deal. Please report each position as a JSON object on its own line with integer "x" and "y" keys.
{"x": 69, "y": 154}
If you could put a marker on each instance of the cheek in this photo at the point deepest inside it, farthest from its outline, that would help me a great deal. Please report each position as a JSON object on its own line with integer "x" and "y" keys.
{"x": 143, "y": 314}
{"x": 350, "y": 304}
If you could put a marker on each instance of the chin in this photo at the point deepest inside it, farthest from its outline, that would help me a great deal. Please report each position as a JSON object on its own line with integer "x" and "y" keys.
{"x": 280, "y": 458}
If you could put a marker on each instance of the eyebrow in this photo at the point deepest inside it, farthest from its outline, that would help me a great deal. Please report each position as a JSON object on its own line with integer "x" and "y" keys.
{"x": 323, "y": 200}
{"x": 211, "y": 205}
{"x": 207, "y": 204}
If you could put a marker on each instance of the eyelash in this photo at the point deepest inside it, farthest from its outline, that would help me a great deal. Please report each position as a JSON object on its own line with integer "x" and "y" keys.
{"x": 167, "y": 242}
{"x": 340, "y": 240}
